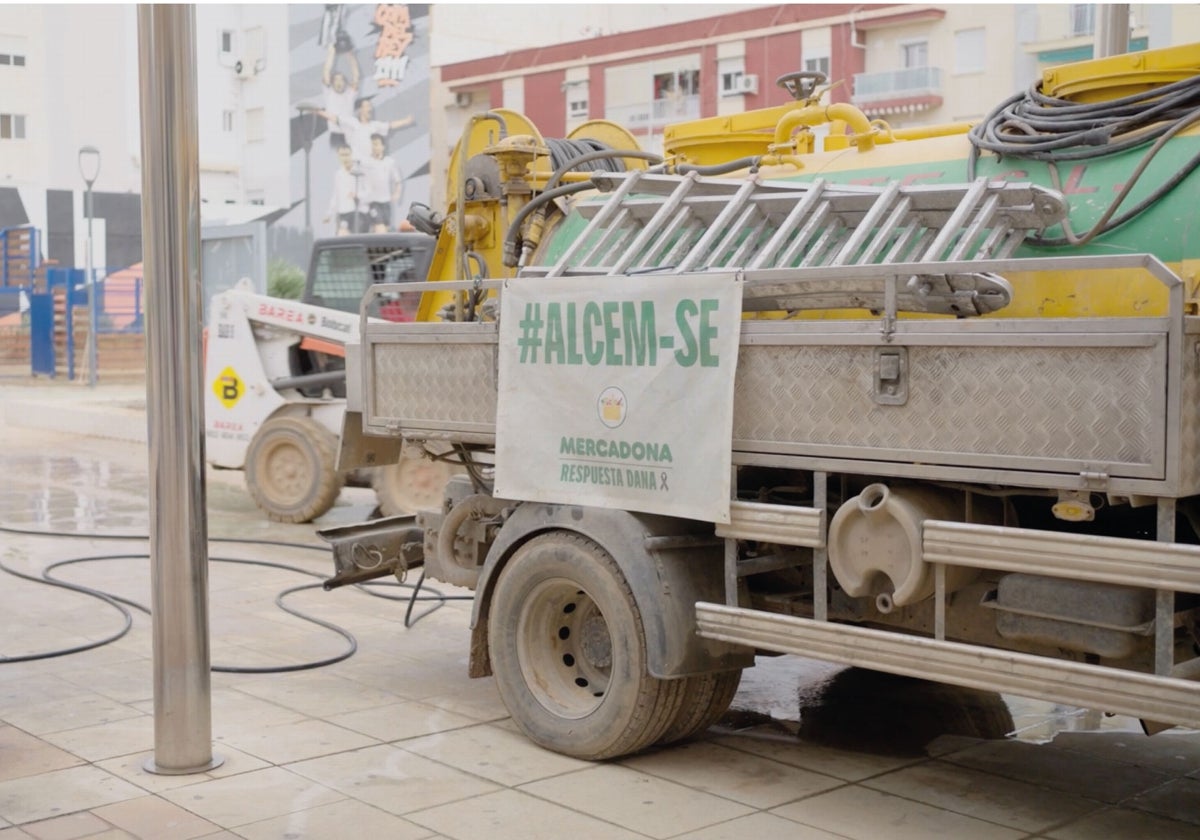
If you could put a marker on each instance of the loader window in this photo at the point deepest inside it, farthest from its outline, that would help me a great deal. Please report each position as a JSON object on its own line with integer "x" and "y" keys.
{"x": 344, "y": 273}
{"x": 396, "y": 265}
{"x": 341, "y": 278}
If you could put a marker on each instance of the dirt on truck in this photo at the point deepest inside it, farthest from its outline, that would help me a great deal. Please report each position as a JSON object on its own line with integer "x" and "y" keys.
{"x": 920, "y": 401}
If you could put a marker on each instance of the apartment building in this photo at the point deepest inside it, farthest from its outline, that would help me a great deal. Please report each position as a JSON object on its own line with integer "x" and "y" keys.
{"x": 909, "y": 64}
{"x": 69, "y": 79}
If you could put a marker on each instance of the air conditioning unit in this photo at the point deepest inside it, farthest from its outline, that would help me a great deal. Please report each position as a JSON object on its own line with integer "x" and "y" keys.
{"x": 244, "y": 69}
{"x": 743, "y": 84}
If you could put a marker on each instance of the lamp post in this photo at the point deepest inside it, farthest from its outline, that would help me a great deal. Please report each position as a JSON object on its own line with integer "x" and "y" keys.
{"x": 89, "y": 168}
{"x": 308, "y": 123}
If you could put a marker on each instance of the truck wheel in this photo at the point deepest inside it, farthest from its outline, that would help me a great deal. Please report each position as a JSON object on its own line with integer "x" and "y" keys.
{"x": 568, "y": 651}
{"x": 705, "y": 699}
{"x": 411, "y": 485}
{"x": 291, "y": 469}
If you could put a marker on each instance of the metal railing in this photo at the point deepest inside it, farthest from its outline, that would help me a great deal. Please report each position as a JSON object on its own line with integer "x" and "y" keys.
{"x": 655, "y": 113}
{"x": 896, "y": 84}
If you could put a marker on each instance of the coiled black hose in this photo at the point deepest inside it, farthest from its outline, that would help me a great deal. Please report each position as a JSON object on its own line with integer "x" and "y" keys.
{"x": 1035, "y": 126}
{"x": 584, "y": 154}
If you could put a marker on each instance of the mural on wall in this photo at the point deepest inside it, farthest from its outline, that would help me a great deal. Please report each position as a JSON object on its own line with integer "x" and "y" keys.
{"x": 360, "y": 126}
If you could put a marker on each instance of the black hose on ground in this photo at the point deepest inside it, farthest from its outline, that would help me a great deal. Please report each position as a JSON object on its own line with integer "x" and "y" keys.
{"x": 123, "y": 605}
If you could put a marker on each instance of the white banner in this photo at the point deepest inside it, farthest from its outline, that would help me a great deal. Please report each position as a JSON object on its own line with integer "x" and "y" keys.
{"x": 617, "y": 392}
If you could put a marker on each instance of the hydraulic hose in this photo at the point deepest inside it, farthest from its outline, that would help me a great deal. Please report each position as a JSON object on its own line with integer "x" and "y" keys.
{"x": 1035, "y": 126}
{"x": 721, "y": 168}
{"x": 565, "y": 156}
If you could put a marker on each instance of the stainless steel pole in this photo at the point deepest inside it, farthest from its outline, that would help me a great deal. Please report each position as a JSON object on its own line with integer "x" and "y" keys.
{"x": 93, "y": 303}
{"x": 1112, "y": 29}
{"x": 171, "y": 254}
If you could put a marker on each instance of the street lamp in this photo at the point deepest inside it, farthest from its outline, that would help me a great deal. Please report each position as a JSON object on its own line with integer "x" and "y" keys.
{"x": 308, "y": 130}
{"x": 89, "y": 169}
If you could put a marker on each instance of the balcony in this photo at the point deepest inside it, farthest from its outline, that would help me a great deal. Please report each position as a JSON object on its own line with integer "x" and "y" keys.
{"x": 654, "y": 114}
{"x": 898, "y": 91}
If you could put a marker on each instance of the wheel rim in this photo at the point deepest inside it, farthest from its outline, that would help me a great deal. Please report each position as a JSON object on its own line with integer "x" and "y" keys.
{"x": 288, "y": 471}
{"x": 564, "y": 649}
{"x": 418, "y": 484}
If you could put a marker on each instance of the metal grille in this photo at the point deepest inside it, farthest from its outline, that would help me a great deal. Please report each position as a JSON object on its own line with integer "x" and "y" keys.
{"x": 344, "y": 273}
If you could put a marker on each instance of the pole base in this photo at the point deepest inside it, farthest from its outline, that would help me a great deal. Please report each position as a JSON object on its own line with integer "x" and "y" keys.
{"x": 150, "y": 767}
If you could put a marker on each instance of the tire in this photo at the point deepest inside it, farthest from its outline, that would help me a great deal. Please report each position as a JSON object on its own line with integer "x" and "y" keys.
{"x": 705, "y": 699}
{"x": 411, "y": 485}
{"x": 569, "y": 652}
{"x": 291, "y": 469}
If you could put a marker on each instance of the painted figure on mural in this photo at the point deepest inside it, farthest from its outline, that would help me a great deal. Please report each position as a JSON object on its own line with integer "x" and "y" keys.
{"x": 348, "y": 201}
{"x": 384, "y": 185}
{"x": 368, "y": 89}
{"x": 340, "y": 92}
{"x": 358, "y": 131}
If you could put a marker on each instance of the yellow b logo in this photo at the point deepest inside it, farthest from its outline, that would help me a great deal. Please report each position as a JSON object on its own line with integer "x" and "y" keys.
{"x": 228, "y": 387}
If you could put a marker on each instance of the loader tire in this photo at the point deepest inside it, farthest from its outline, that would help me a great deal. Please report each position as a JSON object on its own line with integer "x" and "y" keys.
{"x": 705, "y": 699}
{"x": 413, "y": 484}
{"x": 568, "y": 651}
{"x": 291, "y": 469}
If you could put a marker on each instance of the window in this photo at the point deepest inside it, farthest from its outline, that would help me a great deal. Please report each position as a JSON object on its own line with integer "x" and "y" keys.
{"x": 227, "y": 42}
{"x": 914, "y": 54}
{"x": 256, "y": 42}
{"x": 680, "y": 83}
{"x": 12, "y": 51}
{"x": 12, "y": 126}
{"x": 576, "y": 93}
{"x": 254, "y": 51}
{"x": 344, "y": 273}
{"x": 227, "y": 121}
{"x": 731, "y": 76}
{"x": 254, "y": 125}
{"x": 970, "y": 51}
{"x": 1083, "y": 19}
{"x": 820, "y": 64}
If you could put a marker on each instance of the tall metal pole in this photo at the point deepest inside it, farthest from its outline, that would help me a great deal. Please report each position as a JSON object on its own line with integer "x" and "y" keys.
{"x": 1112, "y": 29}
{"x": 171, "y": 254}
{"x": 89, "y": 169}
{"x": 93, "y": 303}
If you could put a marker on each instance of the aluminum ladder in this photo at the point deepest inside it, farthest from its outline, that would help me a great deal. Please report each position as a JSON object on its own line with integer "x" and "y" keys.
{"x": 799, "y": 242}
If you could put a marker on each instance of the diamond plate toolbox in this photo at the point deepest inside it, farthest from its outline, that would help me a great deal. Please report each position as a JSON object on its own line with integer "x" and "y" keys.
{"x": 1045, "y": 396}
{"x": 431, "y": 381}
{"x": 1009, "y": 398}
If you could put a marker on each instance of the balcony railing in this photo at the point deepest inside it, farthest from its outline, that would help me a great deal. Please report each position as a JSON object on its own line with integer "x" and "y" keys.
{"x": 655, "y": 113}
{"x": 897, "y": 84}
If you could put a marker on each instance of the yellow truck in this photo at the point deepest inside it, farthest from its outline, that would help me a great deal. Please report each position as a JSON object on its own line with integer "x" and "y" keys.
{"x": 923, "y": 401}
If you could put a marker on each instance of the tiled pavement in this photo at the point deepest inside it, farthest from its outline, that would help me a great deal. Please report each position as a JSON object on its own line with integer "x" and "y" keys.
{"x": 398, "y": 742}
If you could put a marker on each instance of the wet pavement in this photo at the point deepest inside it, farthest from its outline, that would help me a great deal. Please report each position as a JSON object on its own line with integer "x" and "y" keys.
{"x": 397, "y": 741}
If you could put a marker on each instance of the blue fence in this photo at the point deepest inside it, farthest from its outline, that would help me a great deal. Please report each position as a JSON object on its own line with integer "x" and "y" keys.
{"x": 119, "y": 309}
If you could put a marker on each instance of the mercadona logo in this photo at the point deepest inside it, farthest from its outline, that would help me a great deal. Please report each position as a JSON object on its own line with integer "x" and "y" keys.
{"x": 611, "y": 406}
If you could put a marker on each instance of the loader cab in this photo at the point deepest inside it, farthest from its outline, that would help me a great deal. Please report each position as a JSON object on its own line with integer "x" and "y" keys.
{"x": 343, "y": 267}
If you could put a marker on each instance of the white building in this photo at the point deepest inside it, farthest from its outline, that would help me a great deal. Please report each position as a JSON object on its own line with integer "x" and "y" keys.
{"x": 69, "y": 79}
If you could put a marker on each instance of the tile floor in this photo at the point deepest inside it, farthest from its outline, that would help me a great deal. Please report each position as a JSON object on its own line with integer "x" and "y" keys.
{"x": 398, "y": 742}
